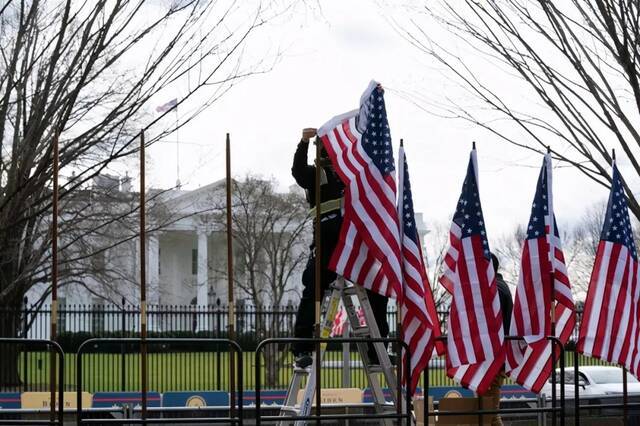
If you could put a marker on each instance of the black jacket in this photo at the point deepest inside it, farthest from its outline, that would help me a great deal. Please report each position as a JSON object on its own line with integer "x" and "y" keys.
{"x": 305, "y": 176}
{"x": 506, "y": 302}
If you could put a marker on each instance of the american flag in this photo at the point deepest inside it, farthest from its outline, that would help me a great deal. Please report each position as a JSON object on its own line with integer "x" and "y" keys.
{"x": 420, "y": 325}
{"x": 475, "y": 337}
{"x": 609, "y": 328}
{"x": 542, "y": 269}
{"x": 168, "y": 106}
{"x": 359, "y": 145}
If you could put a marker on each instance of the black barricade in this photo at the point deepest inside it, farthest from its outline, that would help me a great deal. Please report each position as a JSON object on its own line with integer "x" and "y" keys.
{"x": 481, "y": 412}
{"x": 57, "y": 416}
{"x": 236, "y": 394}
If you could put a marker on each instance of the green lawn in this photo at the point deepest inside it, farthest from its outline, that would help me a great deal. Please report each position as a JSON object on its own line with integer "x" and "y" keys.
{"x": 190, "y": 371}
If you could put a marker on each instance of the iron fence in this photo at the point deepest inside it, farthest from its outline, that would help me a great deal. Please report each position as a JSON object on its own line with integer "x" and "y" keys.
{"x": 179, "y": 367}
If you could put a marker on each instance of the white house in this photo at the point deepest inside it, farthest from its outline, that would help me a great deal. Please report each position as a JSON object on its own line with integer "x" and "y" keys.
{"x": 186, "y": 258}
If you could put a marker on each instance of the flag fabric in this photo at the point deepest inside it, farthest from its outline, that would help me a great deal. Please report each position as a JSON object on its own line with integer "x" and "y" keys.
{"x": 168, "y": 106}
{"x": 475, "y": 344}
{"x": 420, "y": 324}
{"x": 543, "y": 282}
{"x": 359, "y": 146}
{"x": 341, "y": 320}
{"x": 609, "y": 328}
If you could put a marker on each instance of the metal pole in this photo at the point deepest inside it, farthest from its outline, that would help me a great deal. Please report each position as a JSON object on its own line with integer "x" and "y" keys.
{"x": 318, "y": 277}
{"x": 346, "y": 358}
{"x": 54, "y": 278}
{"x": 232, "y": 315}
{"x": 625, "y": 397}
{"x": 123, "y": 326}
{"x": 143, "y": 283}
{"x": 399, "y": 334}
{"x": 576, "y": 388}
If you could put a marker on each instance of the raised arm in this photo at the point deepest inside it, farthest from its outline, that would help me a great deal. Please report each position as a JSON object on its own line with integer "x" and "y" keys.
{"x": 303, "y": 173}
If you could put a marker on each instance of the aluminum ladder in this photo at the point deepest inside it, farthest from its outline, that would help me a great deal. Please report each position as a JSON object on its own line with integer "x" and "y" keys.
{"x": 345, "y": 292}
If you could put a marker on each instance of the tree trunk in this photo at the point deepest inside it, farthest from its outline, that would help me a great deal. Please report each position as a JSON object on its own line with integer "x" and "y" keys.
{"x": 10, "y": 326}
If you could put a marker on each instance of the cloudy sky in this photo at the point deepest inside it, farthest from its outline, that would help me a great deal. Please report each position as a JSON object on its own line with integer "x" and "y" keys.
{"x": 329, "y": 58}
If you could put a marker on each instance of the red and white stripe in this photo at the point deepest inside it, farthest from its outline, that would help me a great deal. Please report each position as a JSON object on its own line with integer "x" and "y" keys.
{"x": 420, "y": 325}
{"x": 529, "y": 361}
{"x": 475, "y": 337}
{"x": 368, "y": 252}
{"x": 610, "y": 319}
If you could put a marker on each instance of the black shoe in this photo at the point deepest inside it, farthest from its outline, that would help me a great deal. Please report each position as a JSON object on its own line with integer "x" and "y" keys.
{"x": 303, "y": 360}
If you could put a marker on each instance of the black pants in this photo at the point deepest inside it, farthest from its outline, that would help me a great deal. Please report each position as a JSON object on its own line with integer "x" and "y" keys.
{"x": 305, "y": 318}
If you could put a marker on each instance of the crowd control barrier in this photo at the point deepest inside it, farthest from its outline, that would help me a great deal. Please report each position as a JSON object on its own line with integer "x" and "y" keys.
{"x": 235, "y": 412}
{"x": 56, "y": 417}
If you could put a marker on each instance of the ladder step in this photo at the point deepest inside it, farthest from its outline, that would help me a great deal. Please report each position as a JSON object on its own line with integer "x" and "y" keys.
{"x": 289, "y": 409}
{"x": 361, "y": 331}
{"x": 350, "y": 291}
{"x": 375, "y": 368}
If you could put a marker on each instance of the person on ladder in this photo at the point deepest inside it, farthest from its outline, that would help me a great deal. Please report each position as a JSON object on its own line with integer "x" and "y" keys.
{"x": 331, "y": 193}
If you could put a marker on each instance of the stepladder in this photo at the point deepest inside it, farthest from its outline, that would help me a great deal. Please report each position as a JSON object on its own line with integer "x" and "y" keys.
{"x": 363, "y": 326}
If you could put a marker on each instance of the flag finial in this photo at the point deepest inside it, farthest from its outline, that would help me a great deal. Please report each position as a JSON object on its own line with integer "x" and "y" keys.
{"x": 401, "y": 142}
{"x": 473, "y": 145}
{"x": 613, "y": 154}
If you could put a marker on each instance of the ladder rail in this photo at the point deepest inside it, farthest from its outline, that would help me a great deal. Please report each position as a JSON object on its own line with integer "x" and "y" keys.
{"x": 341, "y": 292}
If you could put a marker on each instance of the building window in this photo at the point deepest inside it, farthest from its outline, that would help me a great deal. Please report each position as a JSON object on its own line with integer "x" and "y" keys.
{"x": 194, "y": 261}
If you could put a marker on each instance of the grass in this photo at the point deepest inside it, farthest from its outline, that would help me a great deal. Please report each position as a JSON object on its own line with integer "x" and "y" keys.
{"x": 190, "y": 371}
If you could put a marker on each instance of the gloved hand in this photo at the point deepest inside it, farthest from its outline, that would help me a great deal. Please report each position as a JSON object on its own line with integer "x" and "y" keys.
{"x": 308, "y": 133}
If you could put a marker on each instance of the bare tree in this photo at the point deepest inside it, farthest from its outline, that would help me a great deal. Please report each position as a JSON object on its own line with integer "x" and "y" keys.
{"x": 576, "y": 61}
{"x": 270, "y": 236}
{"x": 89, "y": 71}
{"x": 438, "y": 239}
{"x": 579, "y": 245}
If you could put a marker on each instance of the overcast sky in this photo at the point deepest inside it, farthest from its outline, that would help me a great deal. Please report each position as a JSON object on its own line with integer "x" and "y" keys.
{"x": 328, "y": 61}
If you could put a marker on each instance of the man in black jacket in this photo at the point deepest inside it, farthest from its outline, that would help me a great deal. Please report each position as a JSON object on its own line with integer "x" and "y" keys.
{"x": 331, "y": 193}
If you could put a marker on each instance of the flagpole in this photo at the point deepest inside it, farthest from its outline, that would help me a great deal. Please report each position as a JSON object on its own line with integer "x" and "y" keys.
{"x": 230, "y": 296}
{"x": 177, "y": 149}
{"x": 553, "y": 285}
{"x": 399, "y": 332}
{"x": 54, "y": 278}
{"x": 474, "y": 158}
{"x": 143, "y": 282}
{"x": 625, "y": 395}
{"x": 318, "y": 275}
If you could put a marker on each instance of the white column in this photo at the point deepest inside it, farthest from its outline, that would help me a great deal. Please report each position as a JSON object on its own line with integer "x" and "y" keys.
{"x": 202, "y": 279}
{"x": 153, "y": 277}
{"x": 202, "y": 276}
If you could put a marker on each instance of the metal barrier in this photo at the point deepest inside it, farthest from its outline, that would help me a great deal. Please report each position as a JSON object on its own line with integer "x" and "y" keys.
{"x": 58, "y": 350}
{"x": 318, "y": 417}
{"x": 625, "y": 405}
{"x": 480, "y": 412}
{"x": 235, "y": 396}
